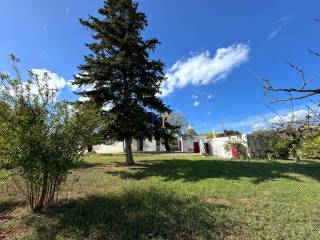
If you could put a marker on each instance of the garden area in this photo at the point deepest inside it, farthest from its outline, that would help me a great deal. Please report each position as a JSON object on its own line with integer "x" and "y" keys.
{"x": 253, "y": 170}
{"x": 172, "y": 196}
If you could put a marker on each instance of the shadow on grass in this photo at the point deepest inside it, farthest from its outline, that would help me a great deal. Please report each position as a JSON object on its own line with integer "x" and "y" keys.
{"x": 152, "y": 214}
{"x": 8, "y": 206}
{"x": 85, "y": 165}
{"x": 196, "y": 170}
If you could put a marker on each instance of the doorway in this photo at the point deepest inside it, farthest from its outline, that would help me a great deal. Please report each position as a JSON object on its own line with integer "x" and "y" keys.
{"x": 196, "y": 147}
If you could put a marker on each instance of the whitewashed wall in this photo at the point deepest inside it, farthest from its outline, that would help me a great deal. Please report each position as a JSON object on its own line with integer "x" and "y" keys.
{"x": 187, "y": 144}
{"x": 118, "y": 147}
{"x": 217, "y": 147}
{"x": 151, "y": 146}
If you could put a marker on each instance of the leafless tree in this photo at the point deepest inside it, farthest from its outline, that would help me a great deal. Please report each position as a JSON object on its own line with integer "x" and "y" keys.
{"x": 305, "y": 90}
{"x": 294, "y": 128}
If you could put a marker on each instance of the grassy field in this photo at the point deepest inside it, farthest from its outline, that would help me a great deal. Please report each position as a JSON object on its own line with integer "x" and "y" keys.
{"x": 173, "y": 197}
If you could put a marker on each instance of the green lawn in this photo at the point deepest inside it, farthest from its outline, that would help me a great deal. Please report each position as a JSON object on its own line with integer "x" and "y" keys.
{"x": 173, "y": 197}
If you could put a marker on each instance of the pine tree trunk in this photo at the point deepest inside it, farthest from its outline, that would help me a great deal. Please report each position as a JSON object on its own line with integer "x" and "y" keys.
{"x": 128, "y": 151}
{"x": 167, "y": 145}
{"x": 43, "y": 194}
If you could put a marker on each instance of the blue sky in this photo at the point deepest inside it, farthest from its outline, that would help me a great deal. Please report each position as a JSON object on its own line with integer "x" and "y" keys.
{"x": 210, "y": 49}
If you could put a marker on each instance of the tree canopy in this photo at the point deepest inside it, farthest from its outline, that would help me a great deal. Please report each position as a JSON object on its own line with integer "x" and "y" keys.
{"x": 119, "y": 73}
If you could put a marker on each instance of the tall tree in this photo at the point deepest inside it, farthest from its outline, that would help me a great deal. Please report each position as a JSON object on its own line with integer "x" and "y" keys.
{"x": 119, "y": 73}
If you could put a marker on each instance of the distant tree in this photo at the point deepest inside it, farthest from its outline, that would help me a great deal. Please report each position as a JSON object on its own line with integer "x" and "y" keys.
{"x": 229, "y": 133}
{"x": 119, "y": 73}
{"x": 41, "y": 138}
{"x": 179, "y": 120}
{"x": 279, "y": 148}
{"x": 96, "y": 125}
{"x": 291, "y": 131}
{"x": 175, "y": 126}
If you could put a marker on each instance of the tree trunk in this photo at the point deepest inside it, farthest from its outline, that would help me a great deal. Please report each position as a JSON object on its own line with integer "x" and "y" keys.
{"x": 167, "y": 145}
{"x": 295, "y": 155}
{"x": 128, "y": 151}
{"x": 90, "y": 149}
{"x": 43, "y": 194}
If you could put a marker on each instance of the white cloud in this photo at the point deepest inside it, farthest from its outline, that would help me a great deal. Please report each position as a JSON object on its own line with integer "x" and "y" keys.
{"x": 280, "y": 24}
{"x": 196, "y": 103}
{"x": 72, "y": 86}
{"x": 194, "y": 97}
{"x": 256, "y": 122}
{"x": 54, "y": 81}
{"x": 203, "y": 69}
{"x": 210, "y": 96}
{"x": 291, "y": 117}
{"x": 46, "y": 79}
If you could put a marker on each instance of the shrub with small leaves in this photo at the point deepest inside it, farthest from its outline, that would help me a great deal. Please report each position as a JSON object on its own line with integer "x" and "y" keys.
{"x": 41, "y": 138}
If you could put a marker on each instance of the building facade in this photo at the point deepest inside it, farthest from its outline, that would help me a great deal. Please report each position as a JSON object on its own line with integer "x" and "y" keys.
{"x": 144, "y": 145}
{"x": 191, "y": 142}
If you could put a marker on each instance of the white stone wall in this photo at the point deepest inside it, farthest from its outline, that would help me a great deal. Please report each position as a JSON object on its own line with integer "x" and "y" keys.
{"x": 118, "y": 147}
{"x": 151, "y": 146}
{"x": 187, "y": 145}
{"x": 217, "y": 147}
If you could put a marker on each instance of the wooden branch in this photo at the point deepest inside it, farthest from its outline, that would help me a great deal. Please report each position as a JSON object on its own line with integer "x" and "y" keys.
{"x": 314, "y": 52}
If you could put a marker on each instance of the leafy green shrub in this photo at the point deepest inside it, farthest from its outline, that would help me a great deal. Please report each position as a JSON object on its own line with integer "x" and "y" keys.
{"x": 40, "y": 138}
{"x": 310, "y": 148}
{"x": 279, "y": 149}
{"x": 237, "y": 145}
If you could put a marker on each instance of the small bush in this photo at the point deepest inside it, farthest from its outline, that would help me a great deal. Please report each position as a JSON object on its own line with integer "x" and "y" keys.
{"x": 41, "y": 138}
{"x": 279, "y": 149}
{"x": 238, "y": 146}
{"x": 310, "y": 148}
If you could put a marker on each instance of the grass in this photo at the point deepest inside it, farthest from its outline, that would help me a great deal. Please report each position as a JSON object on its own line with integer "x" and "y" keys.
{"x": 173, "y": 197}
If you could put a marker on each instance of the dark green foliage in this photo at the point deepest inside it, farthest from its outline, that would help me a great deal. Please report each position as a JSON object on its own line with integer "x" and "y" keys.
{"x": 258, "y": 143}
{"x": 120, "y": 72}
{"x": 279, "y": 148}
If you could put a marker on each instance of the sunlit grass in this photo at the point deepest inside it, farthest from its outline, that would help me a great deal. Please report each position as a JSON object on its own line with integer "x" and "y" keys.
{"x": 174, "y": 197}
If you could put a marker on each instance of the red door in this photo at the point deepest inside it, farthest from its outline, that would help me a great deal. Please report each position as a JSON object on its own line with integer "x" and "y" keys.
{"x": 235, "y": 153}
{"x": 196, "y": 147}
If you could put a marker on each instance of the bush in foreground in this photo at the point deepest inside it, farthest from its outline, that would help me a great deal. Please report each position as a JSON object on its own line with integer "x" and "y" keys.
{"x": 41, "y": 138}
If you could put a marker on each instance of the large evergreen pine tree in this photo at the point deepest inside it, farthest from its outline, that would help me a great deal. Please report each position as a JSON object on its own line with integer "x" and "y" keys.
{"x": 119, "y": 73}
